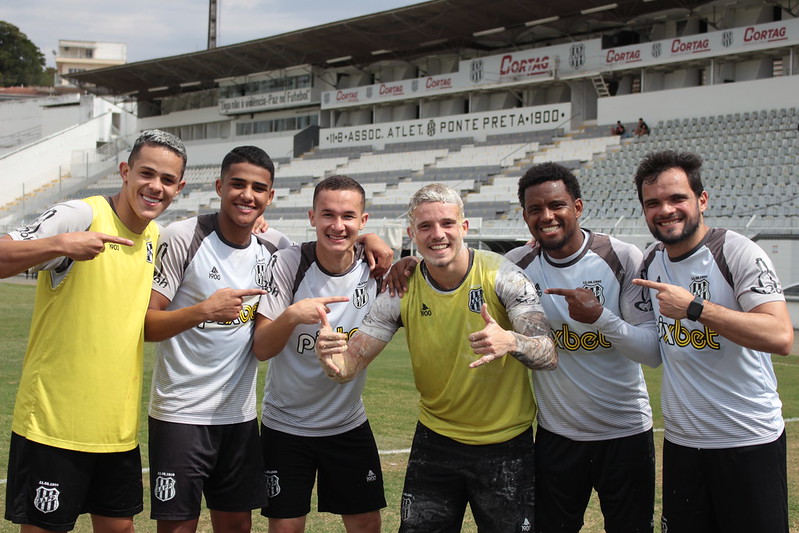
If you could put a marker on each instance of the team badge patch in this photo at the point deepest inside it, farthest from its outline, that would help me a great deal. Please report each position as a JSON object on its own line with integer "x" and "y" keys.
{"x": 597, "y": 289}
{"x": 405, "y": 507}
{"x": 164, "y": 488}
{"x": 272, "y": 485}
{"x": 476, "y": 299}
{"x": 700, "y": 287}
{"x": 260, "y": 273}
{"x": 46, "y": 499}
{"x": 361, "y": 296}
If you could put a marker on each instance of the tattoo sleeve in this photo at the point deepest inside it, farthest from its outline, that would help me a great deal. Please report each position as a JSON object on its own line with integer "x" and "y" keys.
{"x": 535, "y": 343}
{"x": 535, "y": 346}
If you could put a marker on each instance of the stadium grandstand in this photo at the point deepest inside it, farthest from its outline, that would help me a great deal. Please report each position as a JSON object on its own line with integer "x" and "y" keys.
{"x": 465, "y": 92}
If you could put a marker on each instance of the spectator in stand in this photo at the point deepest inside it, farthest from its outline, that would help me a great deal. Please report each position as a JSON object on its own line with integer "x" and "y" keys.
{"x": 618, "y": 129}
{"x": 642, "y": 128}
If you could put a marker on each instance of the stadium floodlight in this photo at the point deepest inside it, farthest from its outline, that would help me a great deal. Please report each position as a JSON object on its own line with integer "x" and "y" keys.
{"x": 156, "y": 89}
{"x": 339, "y": 59}
{"x": 489, "y": 32}
{"x": 542, "y": 21}
{"x": 191, "y": 83}
{"x": 381, "y": 52}
{"x": 598, "y": 9}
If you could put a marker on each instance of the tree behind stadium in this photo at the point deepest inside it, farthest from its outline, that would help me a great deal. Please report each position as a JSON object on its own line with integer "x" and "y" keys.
{"x": 21, "y": 61}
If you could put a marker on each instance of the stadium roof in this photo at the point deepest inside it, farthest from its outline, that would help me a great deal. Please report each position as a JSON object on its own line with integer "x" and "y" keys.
{"x": 405, "y": 33}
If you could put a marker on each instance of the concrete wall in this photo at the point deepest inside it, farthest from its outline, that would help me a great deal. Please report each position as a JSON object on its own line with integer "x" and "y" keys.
{"x": 708, "y": 100}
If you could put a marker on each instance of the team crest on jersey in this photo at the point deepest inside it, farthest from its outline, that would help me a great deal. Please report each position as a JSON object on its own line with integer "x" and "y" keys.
{"x": 164, "y": 488}
{"x": 272, "y": 484}
{"x": 46, "y": 499}
{"x": 405, "y": 507}
{"x": 700, "y": 287}
{"x": 767, "y": 281}
{"x": 361, "y": 296}
{"x": 260, "y": 273}
{"x": 476, "y": 299}
{"x": 597, "y": 289}
{"x": 148, "y": 246}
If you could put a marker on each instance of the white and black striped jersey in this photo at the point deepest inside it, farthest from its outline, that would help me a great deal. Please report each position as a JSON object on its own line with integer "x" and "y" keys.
{"x": 206, "y": 375}
{"x": 597, "y": 392}
{"x": 299, "y": 398}
{"x": 716, "y": 393}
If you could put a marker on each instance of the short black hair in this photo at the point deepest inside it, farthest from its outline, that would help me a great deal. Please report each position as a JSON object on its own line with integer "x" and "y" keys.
{"x": 655, "y": 163}
{"x": 544, "y": 172}
{"x": 249, "y": 154}
{"x": 339, "y": 183}
{"x": 159, "y": 138}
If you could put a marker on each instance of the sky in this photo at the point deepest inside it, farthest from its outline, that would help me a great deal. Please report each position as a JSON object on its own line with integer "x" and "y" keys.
{"x": 160, "y": 28}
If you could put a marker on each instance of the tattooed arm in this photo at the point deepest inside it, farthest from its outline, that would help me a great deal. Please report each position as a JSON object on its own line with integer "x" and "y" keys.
{"x": 531, "y": 341}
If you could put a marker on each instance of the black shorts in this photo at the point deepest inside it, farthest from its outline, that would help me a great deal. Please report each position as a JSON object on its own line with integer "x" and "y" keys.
{"x": 496, "y": 480}
{"x": 621, "y": 470}
{"x": 729, "y": 490}
{"x": 223, "y": 462}
{"x": 348, "y": 465}
{"x": 49, "y": 487}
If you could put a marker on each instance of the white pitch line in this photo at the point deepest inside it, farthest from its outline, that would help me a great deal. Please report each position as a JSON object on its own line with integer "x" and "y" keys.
{"x": 408, "y": 450}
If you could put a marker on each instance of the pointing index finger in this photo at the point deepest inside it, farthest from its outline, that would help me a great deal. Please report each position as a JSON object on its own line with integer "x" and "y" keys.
{"x": 333, "y": 299}
{"x": 115, "y": 239}
{"x": 561, "y": 292}
{"x": 648, "y": 283}
{"x": 248, "y": 292}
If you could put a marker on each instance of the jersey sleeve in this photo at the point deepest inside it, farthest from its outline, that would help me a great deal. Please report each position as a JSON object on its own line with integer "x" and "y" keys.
{"x": 274, "y": 240}
{"x": 752, "y": 272}
{"x": 171, "y": 258}
{"x": 632, "y": 259}
{"x": 517, "y": 293}
{"x": 383, "y": 319}
{"x": 66, "y": 217}
{"x": 280, "y": 273}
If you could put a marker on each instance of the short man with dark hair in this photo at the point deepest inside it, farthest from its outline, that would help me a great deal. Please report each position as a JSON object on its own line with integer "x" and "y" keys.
{"x": 474, "y": 327}
{"x": 312, "y": 426}
{"x": 209, "y": 275}
{"x": 720, "y": 313}
{"x": 74, "y": 443}
{"x": 594, "y": 419}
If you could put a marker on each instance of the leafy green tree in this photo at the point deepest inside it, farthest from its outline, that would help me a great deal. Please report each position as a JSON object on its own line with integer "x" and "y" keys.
{"x": 21, "y": 61}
